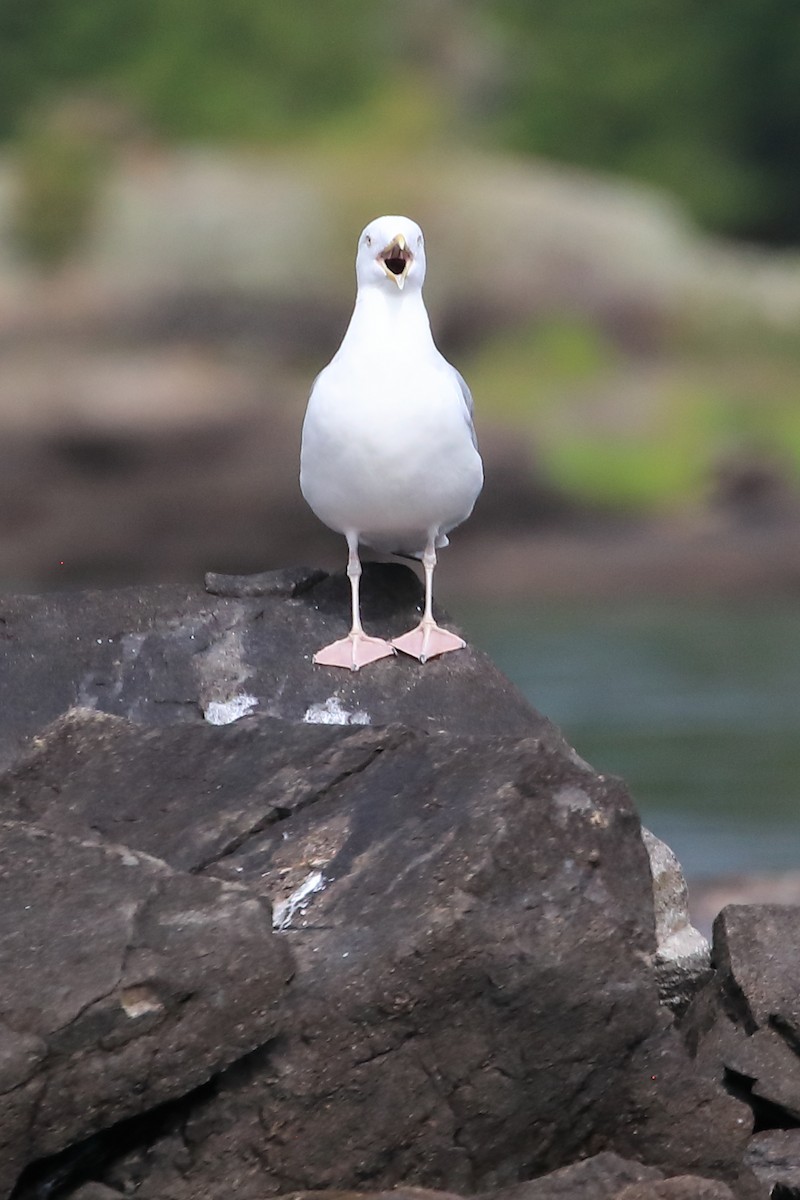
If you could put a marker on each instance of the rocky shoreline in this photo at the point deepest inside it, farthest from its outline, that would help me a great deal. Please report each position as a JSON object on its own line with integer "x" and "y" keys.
{"x": 267, "y": 928}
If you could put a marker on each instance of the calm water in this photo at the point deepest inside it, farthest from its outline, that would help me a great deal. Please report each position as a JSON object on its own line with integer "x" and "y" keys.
{"x": 696, "y": 705}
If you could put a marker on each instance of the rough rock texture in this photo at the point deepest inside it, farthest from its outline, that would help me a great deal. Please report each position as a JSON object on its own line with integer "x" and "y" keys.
{"x": 108, "y": 1005}
{"x": 747, "y": 1022}
{"x": 169, "y": 655}
{"x": 398, "y": 1193}
{"x": 605, "y": 1176}
{"x": 95, "y": 1191}
{"x": 460, "y": 991}
{"x": 681, "y": 1187}
{"x": 744, "y": 1027}
{"x": 197, "y": 796}
{"x": 471, "y": 926}
{"x": 456, "y": 880}
{"x": 683, "y": 956}
{"x": 774, "y": 1157}
{"x": 757, "y": 955}
{"x": 601, "y": 1177}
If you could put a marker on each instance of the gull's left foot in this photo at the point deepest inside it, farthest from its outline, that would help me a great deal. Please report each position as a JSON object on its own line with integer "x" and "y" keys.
{"x": 428, "y": 640}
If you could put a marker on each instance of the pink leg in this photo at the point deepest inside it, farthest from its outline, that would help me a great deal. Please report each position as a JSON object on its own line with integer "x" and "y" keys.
{"x": 357, "y": 649}
{"x": 428, "y": 639}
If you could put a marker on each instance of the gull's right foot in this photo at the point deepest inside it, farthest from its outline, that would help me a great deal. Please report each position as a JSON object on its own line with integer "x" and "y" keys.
{"x": 353, "y": 652}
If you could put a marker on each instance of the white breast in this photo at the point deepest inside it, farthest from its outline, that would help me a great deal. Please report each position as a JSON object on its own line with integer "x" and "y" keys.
{"x": 388, "y": 450}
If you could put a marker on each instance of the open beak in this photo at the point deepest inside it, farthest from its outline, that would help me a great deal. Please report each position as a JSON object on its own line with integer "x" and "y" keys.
{"x": 396, "y": 259}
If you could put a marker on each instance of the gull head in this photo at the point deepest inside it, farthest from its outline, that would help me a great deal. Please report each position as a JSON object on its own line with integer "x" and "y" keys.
{"x": 391, "y": 255}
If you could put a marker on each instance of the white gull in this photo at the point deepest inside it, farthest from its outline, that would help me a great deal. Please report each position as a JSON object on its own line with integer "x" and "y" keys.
{"x": 389, "y": 456}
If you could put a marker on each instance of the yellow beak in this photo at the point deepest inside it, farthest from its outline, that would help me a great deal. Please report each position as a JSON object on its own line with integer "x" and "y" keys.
{"x": 396, "y": 260}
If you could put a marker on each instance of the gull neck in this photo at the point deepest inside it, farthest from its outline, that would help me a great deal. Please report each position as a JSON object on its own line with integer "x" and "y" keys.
{"x": 382, "y": 316}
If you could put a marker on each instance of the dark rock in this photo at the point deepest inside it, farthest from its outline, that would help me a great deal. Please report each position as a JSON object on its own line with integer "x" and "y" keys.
{"x": 193, "y": 796}
{"x": 745, "y": 1026}
{"x": 665, "y": 1085}
{"x": 771, "y": 1067}
{"x": 774, "y": 1157}
{"x": 96, "y": 1191}
{"x": 123, "y": 984}
{"x": 172, "y": 655}
{"x": 287, "y": 581}
{"x": 598, "y": 1178}
{"x": 757, "y": 954}
{"x": 461, "y": 992}
{"x": 395, "y": 1193}
{"x": 680, "y": 1187}
{"x": 472, "y": 929}
{"x": 749, "y": 1187}
{"x": 743, "y": 1029}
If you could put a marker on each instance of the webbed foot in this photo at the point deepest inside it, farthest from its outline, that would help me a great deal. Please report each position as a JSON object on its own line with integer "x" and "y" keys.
{"x": 353, "y": 652}
{"x": 427, "y": 641}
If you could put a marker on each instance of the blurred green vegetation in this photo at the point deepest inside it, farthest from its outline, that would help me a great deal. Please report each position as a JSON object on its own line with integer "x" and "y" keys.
{"x": 699, "y": 96}
{"x": 61, "y": 169}
{"x": 191, "y": 68}
{"x": 642, "y": 433}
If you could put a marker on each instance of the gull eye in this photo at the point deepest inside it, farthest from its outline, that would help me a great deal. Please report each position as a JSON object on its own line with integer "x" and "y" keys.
{"x": 367, "y": 239}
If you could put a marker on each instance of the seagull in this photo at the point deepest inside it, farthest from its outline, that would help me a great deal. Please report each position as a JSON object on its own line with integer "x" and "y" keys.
{"x": 389, "y": 456}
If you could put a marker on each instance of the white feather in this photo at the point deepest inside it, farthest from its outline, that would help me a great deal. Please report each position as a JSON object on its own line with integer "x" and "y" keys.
{"x": 389, "y": 450}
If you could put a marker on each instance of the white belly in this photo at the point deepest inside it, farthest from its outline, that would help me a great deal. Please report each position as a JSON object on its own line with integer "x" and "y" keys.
{"x": 391, "y": 461}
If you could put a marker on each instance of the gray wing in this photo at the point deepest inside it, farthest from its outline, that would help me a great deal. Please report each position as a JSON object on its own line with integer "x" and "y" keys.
{"x": 469, "y": 404}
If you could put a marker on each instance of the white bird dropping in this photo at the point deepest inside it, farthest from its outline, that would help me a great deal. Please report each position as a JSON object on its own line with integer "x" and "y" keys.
{"x": 389, "y": 456}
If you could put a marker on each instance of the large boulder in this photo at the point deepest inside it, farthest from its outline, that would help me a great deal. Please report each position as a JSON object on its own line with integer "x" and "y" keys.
{"x": 458, "y": 990}
{"x": 471, "y": 926}
{"x": 168, "y": 654}
{"x": 124, "y": 984}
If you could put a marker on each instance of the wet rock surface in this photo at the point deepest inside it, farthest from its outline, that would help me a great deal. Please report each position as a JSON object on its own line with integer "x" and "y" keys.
{"x": 385, "y": 930}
